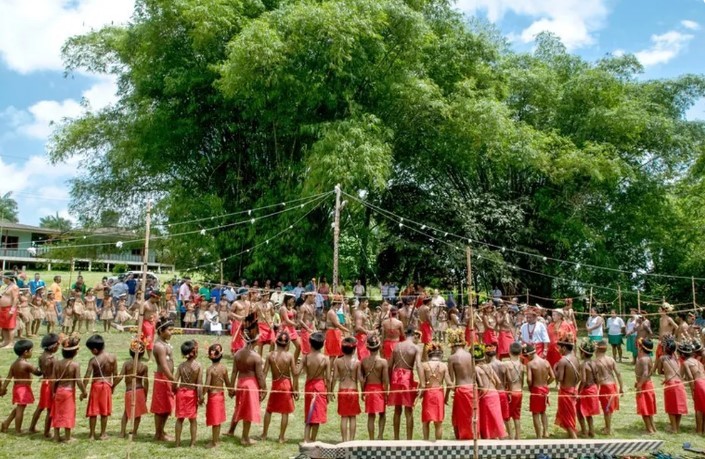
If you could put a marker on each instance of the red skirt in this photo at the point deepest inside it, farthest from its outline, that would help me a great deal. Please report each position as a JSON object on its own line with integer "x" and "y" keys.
{"x": 148, "y": 331}
{"x": 100, "y": 400}
{"x": 402, "y": 390}
{"x": 348, "y": 403}
{"x": 374, "y": 399}
{"x": 63, "y": 410}
{"x": 489, "y": 337}
{"x": 22, "y": 394}
{"x": 491, "y": 424}
{"x": 215, "y": 408}
{"x": 515, "y": 398}
{"x": 247, "y": 407}
{"x": 334, "y": 343}
{"x": 162, "y": 395}
{"x": 45, "y": 395}
{"x": 538, "y": 400}
{"x": 291, "y": 330}
{"x": 505, "y": 340}
{"x": 237, "y": 342}
{"x": 566, "y": 413}
{"x": 589, "y": 402}
{"x": 315, "y": 402}
{"x": 140, "y": 403}
{"x": 186, "y": 403}
{"x": 362, "y": 352}
{"x": 470, "y": 336}
{"x": 553, "y": 355}
{"x": 266, "y": 335}
{"x": 432, "y": 405}
{"x": 462, "y": 412}
{"x": 388, "y": 347}
{"x": 646, "y": 400}
{"x": 699, "y": 396}
{"x": 426, "y": 332}
{"x": 504, "y": 405}
{"x": 8, "y": 318}
{"x": 674, "y": 398}
{"x": 281, "y": 398}
{"x": 609, "y": 398}
{"x": 305, "y": 343}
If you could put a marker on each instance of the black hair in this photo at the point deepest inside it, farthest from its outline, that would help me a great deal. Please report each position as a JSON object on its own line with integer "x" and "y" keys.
{"x": 349, "y": 345}
{"x": 132, "y": 353}
{"x": 69, "y": 354}
{"x": 187, "y": 347}
{"x": 316, "y": 341}
{"x": 410, "y": 331}
{"x": 490, "y": 351}
{"x": 95, "y": 343}
{"x": 669, "y": 346}
{"x": 213, "y": 355}
{"x": 22, "y": 346}
{"x": 515, "y": 349}
{"x": 568, "y": 346}
{"x": 49, "y": 340}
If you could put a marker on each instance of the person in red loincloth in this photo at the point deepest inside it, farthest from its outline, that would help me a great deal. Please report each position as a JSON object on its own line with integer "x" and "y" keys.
{"x": 505, "y": 324}
{"x": 334, "y": 330}
{"x": 316, "y": 394}
{"x": 503, "y": 387}
{"x": 588, "y": 405}
{"x": 307, "y": 319}
{"x": 9, "y": 302}
{"x": 568, "y": 377}
{"x": 491, "y": 425}
{"x": 21, "y": 371}
{"x": 101, "y": 371}
{"x": 607, "y": 373}
{"x": 374, "y": 374}
{"x": 403, "y": 389}
{"x": 515, "y": 383}
{"x": 432, "y": 375}
{"x": 694, "y": 372}
{"x": 240, "y": 309}
{"x": 539, "y": 375}
{"x": 557, "y": 330}
{"x": 50, "y": 344}
{"x": 459, "y": 371}
{"x": 425, "y": 327}
{"x": 66, "y": 376}
{"x": 392, "y": 333}
{"x": 346, "y": 373}
{"x": 489, "y": 322}
{"x": 151, "y": 306}
{"x": 363, "y": 327}
{"x": 217, "y": 381}
{"x": 645, "y": 395}
{"x": 140, "y": 392}
{"x": 675, "y": 401}
{"x": 285, "y": 385}
{"x": 163, "y": 396}
{"x": 189, "y": 391}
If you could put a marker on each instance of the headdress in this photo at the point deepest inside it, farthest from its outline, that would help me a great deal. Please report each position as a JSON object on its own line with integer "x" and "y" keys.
{"x": 164, "y": 324}
{"x": 455, "y": 337}
{"x": 283, "y": 338}
{"x": 667, "y": 307}
{"x": 559, "y": 311}
{"x": 250, "y": 328}
{"x": 434, "y": 348}
{"x": 645, "y": 344}
{"x": 70, "y": 343}
{"x": 373, "y": 342}
{"x": 138, "y": 345}
{"x": 566, "y": 338}
{"x": 587, "y": 347}
{"x": 215, "y": 351}
{"x": 528, "y": 349}
{"x": 478, "y": 351}
{"x": 685, "y": 348}
{"x": 601, "y": 345}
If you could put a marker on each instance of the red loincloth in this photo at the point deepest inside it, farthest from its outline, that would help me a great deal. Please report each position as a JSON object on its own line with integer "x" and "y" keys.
{"x": 470, "y": 336}
{"x": 348, "y": 403}
{"x": 362, "y": 352}
{"x": 8, "y": 318}
{"x": 215, "y": 408}
{"x": 281, "y": 398}
{"x": 674, "y": 398}
{"x": 22, "y": 394}
{"x": 426, "y": 332}
{"x": 374, "y": 399}
{"x": 305, "y": 343}
{"x": 100, "y": 400}
{"x": 589, "y": 402}
{"x": 699, "y": 396}
{"x": 186, "y": 403}
{"x": 148, "y": 332}
{"x": 162, "y": 395}
{"x": 247, "y": 406}
{"x": 291, "y": 330}
{"x": 553, "y": 356}
{"x": 388, "y": 347}
{"x": 462, "y": 412}
{"x": 646, "y": 400}
{"x": 659, "y": 351}
{"x": 433, "y": 405}
{"x": 45, "y": 395}
{"x": 237, "y": 342}
{"x": 489, "y": 337}
{"x": 402, "y": 390}
{"x": 505, "y": 340}
{"x": 566, "y": 412}
{"x": 504, "y": 405}
{"x": 315, "y": 402}
{"x": 491, "y": 424}
{"x": 515, "y": 398}
{"x": 538, "y": 400}
{"x": 266, "y": 335}
{"x": 63, "y": 410}
{"x": 609, "y": 398}
{"x": 140, "y": 403}
{"x": 334, "y": 342}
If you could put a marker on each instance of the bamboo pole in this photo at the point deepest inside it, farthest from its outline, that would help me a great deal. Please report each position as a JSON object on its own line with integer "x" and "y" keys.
{"x": 140, "y": 317}
{"x": 590, "y": 301}
{"x": 221, "y": 274}
{"x": 638, "y": 301}
{"x": 336, "y": 238}
{"x": 619, "y": 296}
{"x": 527, "y": 297}
{"x": 475, "y": 408}
{"x": 695, "y": 304}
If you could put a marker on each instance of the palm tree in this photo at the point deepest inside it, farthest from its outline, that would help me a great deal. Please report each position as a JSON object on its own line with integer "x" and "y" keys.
{"x": 55, "y": 222}
{"x": 8, "y": 208}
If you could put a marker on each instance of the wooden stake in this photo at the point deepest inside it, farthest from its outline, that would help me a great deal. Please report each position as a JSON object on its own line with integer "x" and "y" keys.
{"x": 528, "y": 301}
{"x": 590, "y": 301}
{"x": 475, "y": 398}
{"x": 619, "y": 296}
{"x": 638, "y": 301}
{"x": 695, "y": 304}
{"x": 336, "y": 237}
{"x": 140, "y": 318}
{"x": 221, "y": 274}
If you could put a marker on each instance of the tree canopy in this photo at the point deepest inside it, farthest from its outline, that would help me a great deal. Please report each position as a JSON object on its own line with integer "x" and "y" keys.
{"x": 8, "y": 208}
{"x": 55, "y": 222}
{"x": 225, "y": 106}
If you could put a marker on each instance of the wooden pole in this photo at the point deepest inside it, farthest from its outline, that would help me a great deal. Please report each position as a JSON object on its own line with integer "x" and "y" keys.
{"x": 590, "y": 301}
{"x": 336, "y": 238}
{"x": 68, "y": 287}
{"x": 475, "y": 408}
{"x": 140, "y": 317}
{"x": 619, "y": 296}
{"x": 221, "y": 274}
{"x": 528, "y": 300}
{"x": 695, "y": 304}
{"x": 638, "y": 301}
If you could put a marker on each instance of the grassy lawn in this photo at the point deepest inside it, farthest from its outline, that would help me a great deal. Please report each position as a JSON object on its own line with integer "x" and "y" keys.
{"x": 627, "y": 423}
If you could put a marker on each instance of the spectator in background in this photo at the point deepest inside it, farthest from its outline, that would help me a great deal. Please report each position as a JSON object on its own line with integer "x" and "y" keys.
{"x": 118, "y": 289}
{"x": 615, "y": 329}
{"x": 35, "y": 284}
{"x": 384, "y": 290}
{"x": 324, "y": 290}
{"x": 185, "y": 294}
{"x": 205, "y": 292}
{"x": 359, "y": 290}
{"x": 310, "y": 287}
{"x": 229, "y": 293}
{"x": 496, "y": 294}
{"x": 99, "y": 292}
{"x": 80, "y": 285}
{"x": 58, "y": 296}
{"x": 278, "y": 296}
{"x": 131, "y": 283}
{"x": 288, "y": 287}
{"x": 216, "y": 293}
{"x": 594, "y": 325}
{"x": 299, "y": 290}
{"x": 392, "y": 293}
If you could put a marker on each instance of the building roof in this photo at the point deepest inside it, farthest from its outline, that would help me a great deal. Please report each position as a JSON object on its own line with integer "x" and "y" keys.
{"x": 6, "y": 225}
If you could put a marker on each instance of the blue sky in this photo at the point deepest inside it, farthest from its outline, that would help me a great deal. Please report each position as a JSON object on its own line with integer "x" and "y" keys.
{"x": 668, "y": 37}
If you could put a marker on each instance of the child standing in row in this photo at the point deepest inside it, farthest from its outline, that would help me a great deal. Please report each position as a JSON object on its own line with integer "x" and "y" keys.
{"x": 139, "y": 395}
{"x": 50, "y": 344}
{"x": 101, "y": 370}
{"x": 645, "y": 395}
{"x": 66, "y": 376}
{"x": 21, "y": 371}
{"x": 345, "y": 372}
{"x": 189, "y": 395}
{"x": 217, "y": 380}
{"x": 432, "y": 375}
{"x": 374, "y": 374}
{"x": 284, "y": 391}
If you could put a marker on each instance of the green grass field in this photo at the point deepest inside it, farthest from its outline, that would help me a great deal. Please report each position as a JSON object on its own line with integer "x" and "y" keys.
{"x": 627, "y": 423}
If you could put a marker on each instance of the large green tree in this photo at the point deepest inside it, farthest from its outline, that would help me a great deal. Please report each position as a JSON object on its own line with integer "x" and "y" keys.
{"x": 55, "y": 222}
{"x": 227, "y": 106}
{"x": 8, "y": 208}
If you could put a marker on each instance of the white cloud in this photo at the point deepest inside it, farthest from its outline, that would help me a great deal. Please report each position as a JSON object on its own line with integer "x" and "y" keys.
{"x": 664, "y": 47}
{"x": 690, "y": 25}
{"x": 618, "y": 52}
{"x": 47, "y": 112}
{"x": 32, "y": 32}
{"x": 574, "y": 21}
{"x": 102, "y": 93}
